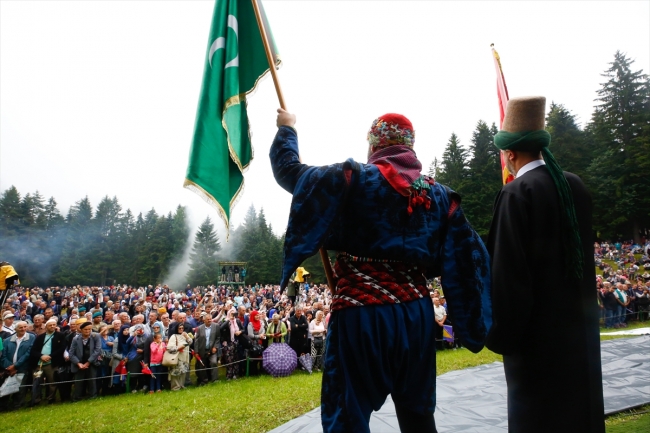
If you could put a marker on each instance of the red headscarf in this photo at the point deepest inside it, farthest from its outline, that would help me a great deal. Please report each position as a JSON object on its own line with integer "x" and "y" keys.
{"x": 255, "y": 321}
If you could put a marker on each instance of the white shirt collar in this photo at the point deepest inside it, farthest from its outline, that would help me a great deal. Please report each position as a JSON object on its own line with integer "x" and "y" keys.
{"x": 528, "y": 167}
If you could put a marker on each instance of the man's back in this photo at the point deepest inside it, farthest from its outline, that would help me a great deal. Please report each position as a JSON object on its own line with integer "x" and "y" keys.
{"x": 545, "y": 322}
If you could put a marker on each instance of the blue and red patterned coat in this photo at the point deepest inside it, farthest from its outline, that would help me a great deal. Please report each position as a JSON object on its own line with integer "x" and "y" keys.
{"x": 352, "y": 208}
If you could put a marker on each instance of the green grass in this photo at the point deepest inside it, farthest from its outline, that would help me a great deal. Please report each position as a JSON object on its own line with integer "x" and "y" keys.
{"x": 631, "y": 421}
{"x": 631, "y": 325}
{"x": 246, "y": 405}
{"x": 450, "y": 360}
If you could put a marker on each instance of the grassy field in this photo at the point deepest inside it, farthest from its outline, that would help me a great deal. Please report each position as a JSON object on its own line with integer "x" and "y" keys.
{"x": 255, "y": 404}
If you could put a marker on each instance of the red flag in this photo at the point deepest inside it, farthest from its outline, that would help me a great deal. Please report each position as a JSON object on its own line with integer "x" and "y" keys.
{"x": 121, "y": 368}
{"x": 198, "y": 358}
{"x": 146, "y": 370}
{"x": 502, "y": 93}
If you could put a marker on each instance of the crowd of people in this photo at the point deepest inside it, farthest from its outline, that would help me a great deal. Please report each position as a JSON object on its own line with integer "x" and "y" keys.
{"x": 83, "y": 342}
{"x": 623, "y": 293}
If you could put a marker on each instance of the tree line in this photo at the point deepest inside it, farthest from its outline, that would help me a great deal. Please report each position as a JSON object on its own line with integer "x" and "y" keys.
{"x": 88, "y": 246}
{"x": 107, "y": 245}
{"x": 611, "y": 154}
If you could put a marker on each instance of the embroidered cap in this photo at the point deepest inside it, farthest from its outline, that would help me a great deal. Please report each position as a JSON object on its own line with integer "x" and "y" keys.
{"x": 391, "y": 129}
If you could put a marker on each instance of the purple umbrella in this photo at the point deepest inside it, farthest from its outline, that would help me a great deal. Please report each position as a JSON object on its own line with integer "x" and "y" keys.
{"x": 306, "y": 361}
{"x": 279, "y": 359}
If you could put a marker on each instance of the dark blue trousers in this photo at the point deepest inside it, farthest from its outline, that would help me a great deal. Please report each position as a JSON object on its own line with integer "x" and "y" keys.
{"x": 374, "y": 351}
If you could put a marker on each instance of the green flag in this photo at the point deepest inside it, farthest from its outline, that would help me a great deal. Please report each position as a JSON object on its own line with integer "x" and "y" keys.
{"x": 234, "y": 63}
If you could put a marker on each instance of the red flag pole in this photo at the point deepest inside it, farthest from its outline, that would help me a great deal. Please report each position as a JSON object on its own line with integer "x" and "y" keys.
{"x": 269, "y": 57}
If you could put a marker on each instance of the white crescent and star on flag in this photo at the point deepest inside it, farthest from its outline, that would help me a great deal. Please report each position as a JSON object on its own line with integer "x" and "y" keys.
{"x": 220, "y": 43}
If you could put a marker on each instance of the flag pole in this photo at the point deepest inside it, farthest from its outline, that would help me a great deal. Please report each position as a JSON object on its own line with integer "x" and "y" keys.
{"x": 269, "y": 57}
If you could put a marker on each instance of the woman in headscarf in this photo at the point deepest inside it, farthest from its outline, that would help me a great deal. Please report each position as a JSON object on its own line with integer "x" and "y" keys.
{"x": 107, "y": 357}
{"x": 135, "y": 355}
{"x": 257, "y": 335}
{"x": 276, "y": 331}
{"x": 231, "y": 329}
{"x": 122, "y": 354}
{"x": 179, "y": 342}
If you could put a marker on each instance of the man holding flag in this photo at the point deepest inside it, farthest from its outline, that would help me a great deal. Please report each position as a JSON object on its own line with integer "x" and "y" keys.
{"x": 391, "y": 227}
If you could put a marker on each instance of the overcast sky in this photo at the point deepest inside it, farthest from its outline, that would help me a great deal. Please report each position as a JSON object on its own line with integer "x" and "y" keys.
{"x": 99, "y": 98}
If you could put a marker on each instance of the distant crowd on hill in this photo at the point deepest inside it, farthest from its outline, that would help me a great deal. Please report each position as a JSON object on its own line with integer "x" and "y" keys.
{"x": 623, "y": 293}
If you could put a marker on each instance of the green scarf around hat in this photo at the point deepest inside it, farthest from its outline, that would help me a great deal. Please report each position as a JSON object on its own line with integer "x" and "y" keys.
{"x": 531, "y": 141}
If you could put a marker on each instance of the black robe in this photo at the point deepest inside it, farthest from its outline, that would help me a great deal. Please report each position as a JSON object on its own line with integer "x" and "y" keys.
{"x": 545, "y": 325}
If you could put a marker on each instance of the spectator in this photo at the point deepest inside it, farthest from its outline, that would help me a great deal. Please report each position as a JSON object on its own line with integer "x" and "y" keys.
{"x": 231, "y": 329}
{"x": 257, "y": 333}
{"x": 610, "y": 303}
{"x": 207, "y": 346}
{"x": 15, "y": 359}
{"x": 242, "y": 316}
{"x": 153, "y": 318}
{"x": 440, "y": 315}
{"x": 157, "y": 350}
{"x": 135, "y": 354}
{"x": 180, "y": 342}
{"x": 318, "y": 331}
{"x": 97, "y": 321}
{"x": 114, "y": 330}
{"x": 623, "y": 302}
{"x": 8, "y": 324}
{"x": 164, "y": 318}
{"x": 104, "y": 367}
{"x": 84, "y": 353}
{"x": 276, "y": 331}
{"x": 299, "y": 328}
{"x": 642, "y": 294}
{"x": 48, "y": 350}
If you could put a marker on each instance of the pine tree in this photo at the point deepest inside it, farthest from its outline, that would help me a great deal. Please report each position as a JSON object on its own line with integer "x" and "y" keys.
{"x": 483, "y": 180}
{"x": 180, "y": 232}
{"x": 75, "y": 266}
{"x": 107, "y": 222}
{"x": 454, "y": 164}
{"x": 434, "y": 169}
{"x": 567, "y": 140}
{"x": 249, "y": 246}
{"x": 620, "y": 134}
{"x": 10, "y": 214}
{"x": 204, "y": 264}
